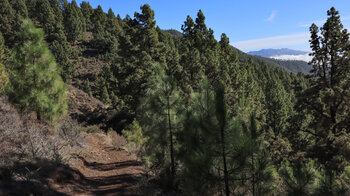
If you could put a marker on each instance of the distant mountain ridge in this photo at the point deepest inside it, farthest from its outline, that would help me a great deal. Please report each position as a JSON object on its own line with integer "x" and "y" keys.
{"x": 291, "y": 60}
{"x": 294, "y": 66}
{"x": 268, "y": 53}
{"x": 174, "y": 32}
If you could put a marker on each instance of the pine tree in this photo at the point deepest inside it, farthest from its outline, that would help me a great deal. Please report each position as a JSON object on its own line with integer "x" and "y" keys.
{"x": 260, "y": 170}
{"x": 35, "y": 81}
{"x": 115, "y": 101}
{"x": 298, "y": 178}
{"x": 105, "y": 42}
{"x": 214, "y": 146}
{"x": 3, "y": 74}
{"x": 278, "y": 106}
{"x": 105, "y": 32}
{"x": 326, "y": 97}
{"x": 160, "y": 115}
{"x": 20, "y": 8}
{"x": 333, "y": 184}
{"x": 2, "y": 48}
{"x": 49, "y": 14}
{"x": 61, "y": 51}
{"x": 73, "y": 24}
{"x": 81, "y": 17}
{"x": 113, "y": 26}
{"x": 56, "y": 8}
{"x": 174, "y": 68}
{"x": 3, "y": 78}
{"x": 105, "y": 96}
{"x": 147, "y": 36}
{"x": 88, "y": 88}
{"x": 7, "y": 18}
{"x": 87, "y": 12}
{"x": 51, "y": 25}
{"x": 193, "y": 70}
{"x": 98, "y": 18}
{"x": 134, "y": 134}
{"x": 139, "y": 50}
{"x": 31, "y": 8}
{"x": 188, "y": 28}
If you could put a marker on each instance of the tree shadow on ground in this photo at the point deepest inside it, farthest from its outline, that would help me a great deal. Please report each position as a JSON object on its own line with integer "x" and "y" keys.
{"x": 41, "y": 176}
{"x": 110, "y": 166}
{"x": 30, "y": 178}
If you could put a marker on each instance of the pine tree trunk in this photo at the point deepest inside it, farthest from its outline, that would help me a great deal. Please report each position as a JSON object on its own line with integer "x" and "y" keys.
{"x": 171, "y": 144}
{"x": 253, "y": 177}
{"x": 227, "y": 190}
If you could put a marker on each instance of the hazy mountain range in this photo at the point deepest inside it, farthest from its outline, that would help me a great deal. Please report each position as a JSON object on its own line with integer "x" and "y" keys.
{"x": 283, "y": 54}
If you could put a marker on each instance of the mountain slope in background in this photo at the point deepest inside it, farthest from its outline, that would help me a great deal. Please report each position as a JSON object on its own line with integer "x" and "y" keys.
{"x": 174, "y": 32}
{"x": 276, "y": 52}
{"x": 291, "y": 60}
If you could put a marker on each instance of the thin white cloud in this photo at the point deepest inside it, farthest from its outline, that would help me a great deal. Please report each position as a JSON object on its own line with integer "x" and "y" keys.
{"x": 277, "y": 41}
{"x": 302, "y": 57}
{"x": 272, "y": 16}
{"x": 321, "y": 22}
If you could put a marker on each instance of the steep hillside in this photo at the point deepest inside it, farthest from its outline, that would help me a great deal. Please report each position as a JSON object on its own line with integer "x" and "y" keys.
{"x": 291, "y": 65}
{"x": 288, "y": 65}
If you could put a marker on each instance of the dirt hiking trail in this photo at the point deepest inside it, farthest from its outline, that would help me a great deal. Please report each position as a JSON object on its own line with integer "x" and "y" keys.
{"x": 103, "y": 169}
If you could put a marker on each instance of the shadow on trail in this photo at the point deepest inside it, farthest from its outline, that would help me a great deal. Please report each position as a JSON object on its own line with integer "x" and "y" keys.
{"x": 33, "y": 178}
{"x": 110, "y": 185}
{"x": 38, "y": 178}
{"x": 109, "y": 166}
{"x": 117, "y": 185}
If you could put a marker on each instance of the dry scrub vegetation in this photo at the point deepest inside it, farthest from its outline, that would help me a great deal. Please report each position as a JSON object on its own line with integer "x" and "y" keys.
{"x": 24, "y": 138}
{"x": 36, "y": 158}
{"x": 31, "y": 150}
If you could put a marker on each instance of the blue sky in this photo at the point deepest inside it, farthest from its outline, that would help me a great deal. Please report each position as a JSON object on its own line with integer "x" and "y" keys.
{"x": 250, "y": 24}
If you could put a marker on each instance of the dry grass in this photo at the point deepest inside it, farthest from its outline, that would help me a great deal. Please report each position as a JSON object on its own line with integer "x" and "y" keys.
{"x": 24, "y": 139}
{"x": 114, "y": 139}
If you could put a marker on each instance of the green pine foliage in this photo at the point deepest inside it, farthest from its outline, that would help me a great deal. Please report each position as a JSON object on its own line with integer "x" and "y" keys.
{"x": 87, "y": 12}
{"x": 250, "y": 129}
{"x": 35, "y": 83}
{"x": 7, "y": 19}
{"x": 88, "y": 88}
{"x": 61, "y": 51}
{"x": 105, "y": 96}
{"x": 134, "y": 134}
{"x": 325, "y": 99}
{"x": 279, "y": 106}
{"x": 3, "y": 78}
{"x": 73, "y": 23}
{"x": 51, "y": 24}
{"x": 299, "y": 178}
{"x": 215, "y": 146}
{"x": 160, "y": 118}
{"x": 3, "y": 75}
{"x": 20, "y": 8}
{"x": 261, "y": 173}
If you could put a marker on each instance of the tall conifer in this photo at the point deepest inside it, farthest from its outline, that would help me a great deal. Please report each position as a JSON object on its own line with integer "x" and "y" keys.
{"x": 35, "y": 81}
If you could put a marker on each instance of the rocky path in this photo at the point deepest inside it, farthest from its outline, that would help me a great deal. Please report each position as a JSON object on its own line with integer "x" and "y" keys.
{"x": 103, "y": 170}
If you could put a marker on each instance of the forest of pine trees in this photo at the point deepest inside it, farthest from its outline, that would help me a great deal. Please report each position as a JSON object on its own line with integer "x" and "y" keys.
{"x": 206, "y": 120}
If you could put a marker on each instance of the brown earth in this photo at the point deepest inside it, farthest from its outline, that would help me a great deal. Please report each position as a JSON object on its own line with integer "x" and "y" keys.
{"x": 103, "y": 169}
